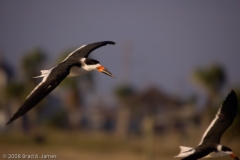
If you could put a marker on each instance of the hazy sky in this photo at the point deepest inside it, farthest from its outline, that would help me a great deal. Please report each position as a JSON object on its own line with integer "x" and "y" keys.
{"x": 166, "y": 40}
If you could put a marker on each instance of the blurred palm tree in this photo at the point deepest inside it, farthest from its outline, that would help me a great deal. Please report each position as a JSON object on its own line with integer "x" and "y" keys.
{"x": 126, "y": 96}
{"x": 211, "y": 80}
{"x": 13, "y": 94}
{"x": 6, "y": 75}
{"x": 31, "y": 64}
{"x": 12, "y": 91}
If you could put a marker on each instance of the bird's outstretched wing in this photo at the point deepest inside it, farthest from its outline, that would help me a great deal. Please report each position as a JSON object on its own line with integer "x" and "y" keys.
{"x": 223, "y": 119}
{"x": 50, "y": 81}
{"x": 196, "y": 155}
{"x": 85, "y": 50}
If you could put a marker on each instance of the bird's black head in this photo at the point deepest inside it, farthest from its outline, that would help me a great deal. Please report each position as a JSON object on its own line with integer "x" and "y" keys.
{"x": 89, "y": 61}
{"x": 226, "y": 149}
{"x": 229, "y": 152}
{"x": 92, "y": 64}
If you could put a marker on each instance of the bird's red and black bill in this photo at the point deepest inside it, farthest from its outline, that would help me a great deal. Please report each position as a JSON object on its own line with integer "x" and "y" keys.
{"x": 234, "y": 156}
{"x": 105, "y": 71}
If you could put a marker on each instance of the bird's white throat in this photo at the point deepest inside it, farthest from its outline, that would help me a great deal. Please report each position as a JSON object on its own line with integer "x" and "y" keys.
{"x": 88, "y": 67}
{"x": 77, "y": 71}
{"x": 216, "y": 154}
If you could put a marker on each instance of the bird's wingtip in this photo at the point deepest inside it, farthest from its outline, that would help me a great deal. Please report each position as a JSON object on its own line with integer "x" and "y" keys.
{"x": 111, "y": 42}
{"x": 232, "y": 96}
{"x": 8, "y": 122}
{"x": 11, "y": 120}
{"x": 232, "y": 92}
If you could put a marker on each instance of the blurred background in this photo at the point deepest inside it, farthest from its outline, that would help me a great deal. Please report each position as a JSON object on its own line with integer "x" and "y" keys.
{"x": 175, "y": 62}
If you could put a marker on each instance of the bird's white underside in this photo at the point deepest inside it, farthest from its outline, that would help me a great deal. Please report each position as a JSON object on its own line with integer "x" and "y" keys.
{"x": 76, "y": 71}
{"x": 216, "y": 154}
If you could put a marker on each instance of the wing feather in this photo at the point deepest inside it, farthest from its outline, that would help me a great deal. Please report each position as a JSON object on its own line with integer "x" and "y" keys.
{"x": 51, "y": 81}
{"x": 85, "y": 50}
{"x": 223, "y": 119}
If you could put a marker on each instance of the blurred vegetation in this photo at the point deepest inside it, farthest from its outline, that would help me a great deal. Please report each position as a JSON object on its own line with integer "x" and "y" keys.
{"x": 124, "y": 91}
{"x": 141, "y": 121}
{"x": 33, "y": 62}
{"x": 212, "y": 79}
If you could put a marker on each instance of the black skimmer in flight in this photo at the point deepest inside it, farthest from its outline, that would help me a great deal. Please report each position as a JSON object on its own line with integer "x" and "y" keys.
{"x": 209, "y": 146}
{"x": 75, "y": 64}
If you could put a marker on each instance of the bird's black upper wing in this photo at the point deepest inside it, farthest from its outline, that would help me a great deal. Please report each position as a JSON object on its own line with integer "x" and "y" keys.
{"x": 223, "y": 119}
{"x": 48, "y": 83}
{"x": 85, "y": 50}
{"x": 196, "y": 155}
